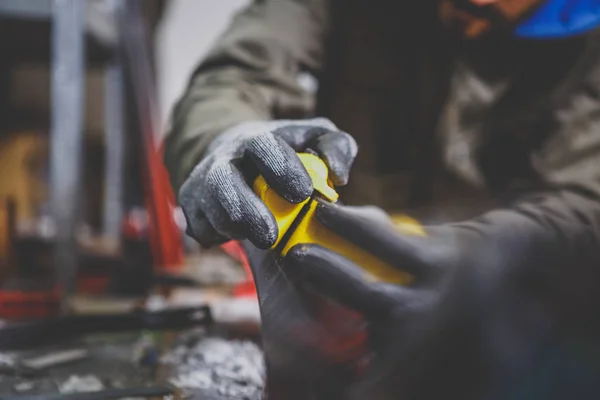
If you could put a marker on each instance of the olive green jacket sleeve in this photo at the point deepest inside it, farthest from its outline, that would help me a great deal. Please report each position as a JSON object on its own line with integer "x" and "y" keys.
{"x": 252, "y": 73}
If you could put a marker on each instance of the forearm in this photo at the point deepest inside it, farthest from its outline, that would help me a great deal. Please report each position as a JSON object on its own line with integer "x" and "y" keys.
{"x": 569, "y": 219}
{"x": 251, "y": 74}
{"x": 551, "y": 240}
{"x": 211, "y": 105}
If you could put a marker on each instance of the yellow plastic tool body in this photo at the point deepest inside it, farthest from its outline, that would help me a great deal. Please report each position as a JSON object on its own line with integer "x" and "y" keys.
{"x": 297, "y": 223}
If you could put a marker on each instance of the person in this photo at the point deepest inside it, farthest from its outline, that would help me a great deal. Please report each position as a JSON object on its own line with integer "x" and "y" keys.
{"x": 445, "y": 99}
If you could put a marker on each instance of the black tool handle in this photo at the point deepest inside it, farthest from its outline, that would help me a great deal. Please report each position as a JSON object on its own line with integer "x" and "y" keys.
{"x": 40, "y": 332}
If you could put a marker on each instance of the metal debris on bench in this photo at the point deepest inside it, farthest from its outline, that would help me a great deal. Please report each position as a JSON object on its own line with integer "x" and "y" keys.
{"x": 218, "y": 368}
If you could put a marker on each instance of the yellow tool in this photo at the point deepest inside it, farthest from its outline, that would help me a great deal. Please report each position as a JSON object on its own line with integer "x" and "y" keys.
{"x": 297, "y": 223}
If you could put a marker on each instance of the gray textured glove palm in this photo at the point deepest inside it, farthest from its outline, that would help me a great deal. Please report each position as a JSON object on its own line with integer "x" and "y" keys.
{"x": 217, "y": 198}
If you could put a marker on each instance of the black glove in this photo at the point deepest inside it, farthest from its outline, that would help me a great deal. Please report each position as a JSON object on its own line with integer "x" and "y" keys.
{"x": 490, "y": 296}
{"x": 217, "y": 198}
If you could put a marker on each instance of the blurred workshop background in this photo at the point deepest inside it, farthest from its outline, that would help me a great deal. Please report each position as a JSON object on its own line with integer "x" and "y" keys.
{"x": 89, "y": 235}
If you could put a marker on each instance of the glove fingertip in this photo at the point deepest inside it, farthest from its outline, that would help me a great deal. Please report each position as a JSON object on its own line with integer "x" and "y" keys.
{"x": 263, "y": 234}
{"x": 299, "y": 185}
{"x": 281, "y": 167}
{"x": 298, "y": 253}
{"x": 339, "y": 150}
{"x": 339, "y": 170}
{"x": 298, "y": 190}
{"x": 340, "y": 177}
{"x": 327, "y": 211}
{"x": 205, "y": 234}
{"x": 263, "y": 242}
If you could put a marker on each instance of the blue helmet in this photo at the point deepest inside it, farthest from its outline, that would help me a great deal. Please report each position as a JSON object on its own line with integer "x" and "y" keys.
{"x": 560, "y": 19}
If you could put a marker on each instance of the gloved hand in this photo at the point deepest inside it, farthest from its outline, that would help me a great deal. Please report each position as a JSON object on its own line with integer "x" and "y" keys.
{"x": 490, "y": 295}
{"x": 217, "y": 198}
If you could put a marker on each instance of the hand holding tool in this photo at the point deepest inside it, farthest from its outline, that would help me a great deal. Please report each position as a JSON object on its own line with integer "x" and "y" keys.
{"x": 217, "y": 199}
{"x": 490, "y": 299}
{"x": 297, "y": 223}
{"x": 312, "y": 346}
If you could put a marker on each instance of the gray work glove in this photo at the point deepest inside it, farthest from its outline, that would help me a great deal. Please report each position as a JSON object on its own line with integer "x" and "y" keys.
{"x": 492, "y": 301}
{"x": 217, "y": 198}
